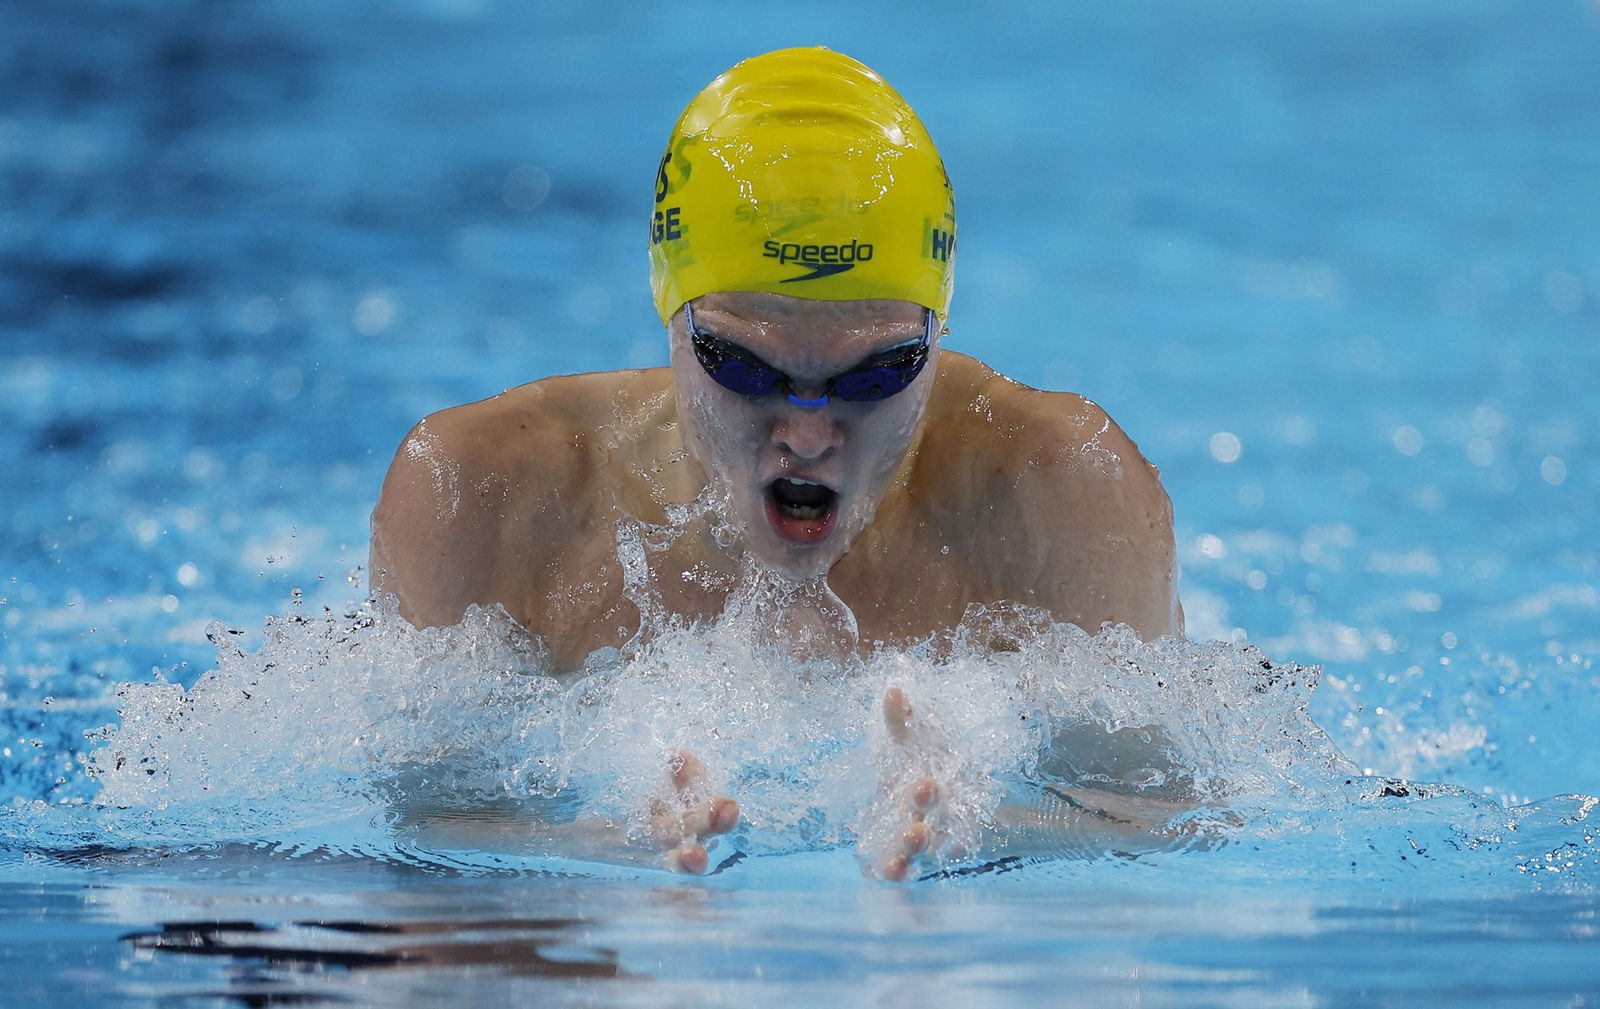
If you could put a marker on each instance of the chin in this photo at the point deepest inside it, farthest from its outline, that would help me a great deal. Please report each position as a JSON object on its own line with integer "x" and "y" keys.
{"x": 796, "y": 561}
{"x": 799, "y": 561}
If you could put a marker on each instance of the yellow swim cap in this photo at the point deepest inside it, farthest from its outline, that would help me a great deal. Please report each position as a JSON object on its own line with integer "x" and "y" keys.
{"x": 802, "y": 172}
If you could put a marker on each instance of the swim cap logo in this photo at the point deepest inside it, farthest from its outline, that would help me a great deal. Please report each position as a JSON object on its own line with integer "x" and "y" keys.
{"x": 821, "y": 260}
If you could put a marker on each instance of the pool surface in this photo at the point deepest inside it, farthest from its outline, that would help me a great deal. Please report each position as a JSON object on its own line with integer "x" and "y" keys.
{"x": 1333, "y": 267}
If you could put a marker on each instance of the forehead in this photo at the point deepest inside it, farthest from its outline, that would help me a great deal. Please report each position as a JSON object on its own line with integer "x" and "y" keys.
{"x": 804, "y": 331}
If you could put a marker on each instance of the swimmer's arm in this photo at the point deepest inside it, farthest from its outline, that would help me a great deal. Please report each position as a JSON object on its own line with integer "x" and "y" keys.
{"x": 451, "y": 527}
{"x": 1141, "y": 801}
{"x": 680, "y": 824}
{"x": 1061, "y": 821}
{"x": 432, "y": 554}
{"x": 1097, "y": 536}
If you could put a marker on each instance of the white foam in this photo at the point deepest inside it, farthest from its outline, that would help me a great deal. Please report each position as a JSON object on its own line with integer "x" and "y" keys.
{"x": 339, "y": 731}
{"x": 363, "y": 711}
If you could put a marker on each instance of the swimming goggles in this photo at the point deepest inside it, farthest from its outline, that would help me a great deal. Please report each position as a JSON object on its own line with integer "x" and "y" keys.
{"x": 880, "y": 376}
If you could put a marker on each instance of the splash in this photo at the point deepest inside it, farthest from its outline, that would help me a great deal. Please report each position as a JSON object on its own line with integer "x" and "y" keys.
{"x": 1045, "y": 741}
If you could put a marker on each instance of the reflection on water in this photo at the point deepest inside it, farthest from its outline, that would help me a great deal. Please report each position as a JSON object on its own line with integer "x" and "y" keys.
{"x": 274, "y": 962}
{"x": 790, "y": 937}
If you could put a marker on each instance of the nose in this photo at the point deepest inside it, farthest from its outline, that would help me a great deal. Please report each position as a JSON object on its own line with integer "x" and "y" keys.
{"x": 807, "y": 432}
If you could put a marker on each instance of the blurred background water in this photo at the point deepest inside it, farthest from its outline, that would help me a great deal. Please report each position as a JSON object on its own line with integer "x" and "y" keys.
{"x": 1335, "y": 268}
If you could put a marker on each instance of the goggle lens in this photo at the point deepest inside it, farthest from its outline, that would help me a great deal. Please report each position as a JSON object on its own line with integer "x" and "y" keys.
{"x": 740, "y": 371}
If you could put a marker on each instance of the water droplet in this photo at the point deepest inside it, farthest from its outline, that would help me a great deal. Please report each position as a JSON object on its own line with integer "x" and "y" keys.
{"x": 1226, "y": 447}
{"x": 1407, "y": 440}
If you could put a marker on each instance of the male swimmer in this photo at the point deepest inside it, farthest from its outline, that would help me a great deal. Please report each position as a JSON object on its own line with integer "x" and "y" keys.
{"x": 802, "y": 255}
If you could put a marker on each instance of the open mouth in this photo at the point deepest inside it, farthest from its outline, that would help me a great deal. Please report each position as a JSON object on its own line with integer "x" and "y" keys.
{"x": 800, "y": 510}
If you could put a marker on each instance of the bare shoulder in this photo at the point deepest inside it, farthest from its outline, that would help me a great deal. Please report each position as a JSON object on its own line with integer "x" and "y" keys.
{"x": 1071, "y": 503}
{"x": 456, "y": 457}
{"x": 1025, "y": 431}
{"x": 455, "y": 521}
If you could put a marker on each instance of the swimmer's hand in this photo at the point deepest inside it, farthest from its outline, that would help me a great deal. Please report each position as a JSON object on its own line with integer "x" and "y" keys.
{"x": 914, "y": 826}
{"x": 680, "y": 820}
{"x": 917, "y": 839}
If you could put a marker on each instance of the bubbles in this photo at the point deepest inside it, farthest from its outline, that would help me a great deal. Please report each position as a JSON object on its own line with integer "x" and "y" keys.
{"x": 258, "y": 316}
{"x": 1553, "y": 470}
{"x": 1226, "y": 447}
{"x": 1480, "y": 452}
{"x": 374, "y": 313}
{"x": 525, "y": 187}
{"x": 202, "y": 466}
{"x": 1408, "y": 441}
{"x": 1423, "y": 602}
{"x": 1298, "y": 431}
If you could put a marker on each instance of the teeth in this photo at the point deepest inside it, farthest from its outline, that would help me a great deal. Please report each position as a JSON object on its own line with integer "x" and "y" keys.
{"x": 801, "y": 483}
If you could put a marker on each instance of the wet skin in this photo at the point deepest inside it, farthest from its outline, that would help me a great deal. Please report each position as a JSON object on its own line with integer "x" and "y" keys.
{"x": 853, "y": 449}
{"x": 966, "y": 488}
{"x": 679, "y": 822}
{"x": 915, "y": 836}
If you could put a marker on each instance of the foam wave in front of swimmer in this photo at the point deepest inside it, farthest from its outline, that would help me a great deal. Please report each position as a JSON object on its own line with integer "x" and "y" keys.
{"x": 348, "y": 727}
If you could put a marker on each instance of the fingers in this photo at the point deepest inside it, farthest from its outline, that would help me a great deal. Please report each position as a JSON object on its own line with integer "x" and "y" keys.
{"x": 679, "y": 823}
{"x": 724, "y": 815}
{"x": 718, "y": 816}
{"x": 897, "y": 714}
{"x": 690, "y": 859}
{"x": 914, "y": 839}
{"x": 916, "y": 836}
{"x": 686, "y": 770}
{"x": 715, "y": 816}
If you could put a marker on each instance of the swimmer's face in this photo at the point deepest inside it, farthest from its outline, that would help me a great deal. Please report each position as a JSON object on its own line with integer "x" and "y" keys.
{"x": 803, "y": 481}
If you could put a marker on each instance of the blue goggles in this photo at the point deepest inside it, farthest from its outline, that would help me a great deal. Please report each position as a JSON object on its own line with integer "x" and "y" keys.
{"x": 880, "y": 376}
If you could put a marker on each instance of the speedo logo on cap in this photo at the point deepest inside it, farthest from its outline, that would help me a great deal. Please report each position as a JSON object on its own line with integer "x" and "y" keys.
{"x": 821, "y": 260}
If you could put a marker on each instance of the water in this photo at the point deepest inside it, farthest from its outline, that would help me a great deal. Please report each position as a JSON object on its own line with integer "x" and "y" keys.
{"x": 1330, "y": 266}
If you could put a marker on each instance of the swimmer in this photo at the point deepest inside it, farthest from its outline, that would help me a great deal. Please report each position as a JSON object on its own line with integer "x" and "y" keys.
{"x": 802, "y": 249}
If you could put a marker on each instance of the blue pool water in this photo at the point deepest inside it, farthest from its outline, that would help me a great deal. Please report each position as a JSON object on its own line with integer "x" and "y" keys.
{"x": 1334, "y": 268}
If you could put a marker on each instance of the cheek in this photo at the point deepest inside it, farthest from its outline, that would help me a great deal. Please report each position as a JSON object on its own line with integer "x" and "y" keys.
{"x": 887, "y": 439}
{"x": 695, "y": 411}
{"x": 719, "y": 432}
